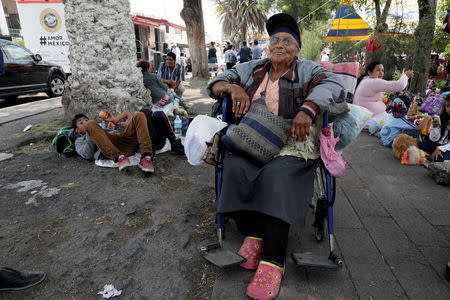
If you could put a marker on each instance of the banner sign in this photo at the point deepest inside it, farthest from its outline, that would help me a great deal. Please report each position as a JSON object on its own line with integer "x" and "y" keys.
{"x": 44, "y": 30}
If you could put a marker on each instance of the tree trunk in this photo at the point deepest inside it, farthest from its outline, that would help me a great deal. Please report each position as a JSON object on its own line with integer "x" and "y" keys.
{"x": 242, "y": 34}
{"x": 381, "y": 16}
{"x": 192, "y": 15}
{"x": 102, "y": 55}
{"x": 423, "y": 43}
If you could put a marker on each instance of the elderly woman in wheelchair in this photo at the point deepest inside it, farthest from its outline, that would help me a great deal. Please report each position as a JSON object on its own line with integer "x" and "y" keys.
{"x": 266, "y": 195}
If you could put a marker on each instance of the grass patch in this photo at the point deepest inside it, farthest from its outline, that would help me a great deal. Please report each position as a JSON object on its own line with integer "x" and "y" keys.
{"x": 134, "y": 222}
{"x": 69, "y": 185}
{"x": 38, "y": 129}
{"x": 39, "y": 147}
{"x": 47, "y": 126}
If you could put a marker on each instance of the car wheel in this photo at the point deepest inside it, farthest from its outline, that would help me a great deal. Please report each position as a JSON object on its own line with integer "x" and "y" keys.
{"x": 55, "y": 86}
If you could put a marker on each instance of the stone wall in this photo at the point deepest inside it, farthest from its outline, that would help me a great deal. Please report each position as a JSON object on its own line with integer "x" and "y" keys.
{"x": 103, "y": 59}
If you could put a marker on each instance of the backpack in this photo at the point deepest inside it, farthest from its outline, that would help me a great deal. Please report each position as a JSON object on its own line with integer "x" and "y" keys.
{"x": 232, "y": 58}
{"x": 64, "y": 141}
{"x": 432, "y": 104}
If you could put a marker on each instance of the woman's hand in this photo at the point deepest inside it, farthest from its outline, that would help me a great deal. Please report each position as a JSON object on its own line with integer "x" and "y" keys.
{"x": 435, "y": 155}
{"x": 241, "y": 101}
{"x": 409, "y": 73}
{"x": 436, "y": 123}
{"x": 300, "y": 126}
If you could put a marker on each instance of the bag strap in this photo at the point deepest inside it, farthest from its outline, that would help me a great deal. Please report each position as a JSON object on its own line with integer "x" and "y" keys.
{"x": 263, "y": 94}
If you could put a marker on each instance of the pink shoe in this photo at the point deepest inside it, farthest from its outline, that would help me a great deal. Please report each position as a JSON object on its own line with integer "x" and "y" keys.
{"x": 124, "y": 162}
{"x": 266, "y": 282}
{"x": 251, "y": 250}
{"x": 146, "y": 164}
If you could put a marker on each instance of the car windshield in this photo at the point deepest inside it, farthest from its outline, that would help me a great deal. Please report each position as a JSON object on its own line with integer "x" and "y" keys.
{"x": 17, "y": 53}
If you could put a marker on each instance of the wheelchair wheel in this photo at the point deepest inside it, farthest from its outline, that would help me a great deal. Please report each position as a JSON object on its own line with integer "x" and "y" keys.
{"x": 319, "y": 202}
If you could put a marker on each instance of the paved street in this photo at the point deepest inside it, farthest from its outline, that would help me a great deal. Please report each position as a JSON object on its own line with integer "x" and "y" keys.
{"x": 392, "y": 225}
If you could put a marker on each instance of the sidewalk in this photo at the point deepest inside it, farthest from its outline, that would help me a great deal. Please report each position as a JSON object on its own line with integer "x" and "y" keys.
{"x": 21, "y": 111}
{"x": 141, "y": 233}
{"x": 392, "y": 226}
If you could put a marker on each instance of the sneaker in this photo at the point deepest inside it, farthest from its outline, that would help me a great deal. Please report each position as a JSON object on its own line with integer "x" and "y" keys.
{"x": 177, "y": 147}
{"x": 14, "y": 280}
{"x": 146, "y": 164}
{"x": 124, "y": 162}
{"x": 251, "y": 251}
{"x": 265, "y": 285}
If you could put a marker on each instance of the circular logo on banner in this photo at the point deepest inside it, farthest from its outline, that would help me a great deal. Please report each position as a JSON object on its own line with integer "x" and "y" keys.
{"x": 50, "y": 20}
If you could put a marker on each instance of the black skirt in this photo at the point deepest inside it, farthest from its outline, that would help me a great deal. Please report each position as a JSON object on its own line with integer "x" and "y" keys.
{"x": 282, "y": 188}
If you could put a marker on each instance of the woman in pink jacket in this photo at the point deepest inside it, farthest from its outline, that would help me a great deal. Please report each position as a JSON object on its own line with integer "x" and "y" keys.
{"x": 371, "y": 86}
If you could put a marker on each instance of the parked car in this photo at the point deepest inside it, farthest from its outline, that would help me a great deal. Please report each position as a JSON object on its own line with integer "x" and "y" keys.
{"x": 27, "y": 73}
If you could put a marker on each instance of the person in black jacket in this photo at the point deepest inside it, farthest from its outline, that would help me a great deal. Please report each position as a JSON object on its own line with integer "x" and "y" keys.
{"x": 212, "y": 57}
{"x": 245, "y": 53}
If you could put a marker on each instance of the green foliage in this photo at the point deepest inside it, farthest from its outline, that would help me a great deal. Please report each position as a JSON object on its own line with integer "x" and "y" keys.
{"x": 240, "y": 16}
{"x": 303, "y": 10}
{"x": 346, "y": 51}
{"x": 441, "y": 39}
{"x": 393, "y": 56}
{"x": 313, "y": 41}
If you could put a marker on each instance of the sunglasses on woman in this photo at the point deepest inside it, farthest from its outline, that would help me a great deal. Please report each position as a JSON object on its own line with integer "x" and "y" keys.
{"x": 286, "y": 41}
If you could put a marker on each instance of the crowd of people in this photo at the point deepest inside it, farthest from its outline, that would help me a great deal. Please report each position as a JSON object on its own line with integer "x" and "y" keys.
{"x": 264, "y": 199}
{"x": 426, "y": 120}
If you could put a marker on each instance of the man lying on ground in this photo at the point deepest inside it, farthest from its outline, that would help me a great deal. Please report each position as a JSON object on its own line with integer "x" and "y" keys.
{"x": 158, "y": 126}
{"x": 115, "y": 146}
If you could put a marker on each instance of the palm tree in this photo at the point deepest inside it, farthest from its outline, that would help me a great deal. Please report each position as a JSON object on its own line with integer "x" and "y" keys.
{"x": 240, "y": 16}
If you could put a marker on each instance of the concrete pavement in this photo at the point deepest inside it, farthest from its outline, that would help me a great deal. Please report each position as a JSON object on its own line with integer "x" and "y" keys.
{"x": 20, "y": 111}
{"x": 392, "y": 225}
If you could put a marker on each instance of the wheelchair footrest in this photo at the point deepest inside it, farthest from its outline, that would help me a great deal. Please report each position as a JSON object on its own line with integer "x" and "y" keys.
{"x": 221, "y": 257}
{"x": 310, "y": 260}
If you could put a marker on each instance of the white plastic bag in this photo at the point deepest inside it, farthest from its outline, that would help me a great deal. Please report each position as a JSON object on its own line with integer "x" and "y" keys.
{"x": 347, "y": 126}
{"x": 200, "y": 131}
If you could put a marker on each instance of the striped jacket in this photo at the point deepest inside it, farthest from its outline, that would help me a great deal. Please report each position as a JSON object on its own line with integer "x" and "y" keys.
{"x": 305, "y": 87}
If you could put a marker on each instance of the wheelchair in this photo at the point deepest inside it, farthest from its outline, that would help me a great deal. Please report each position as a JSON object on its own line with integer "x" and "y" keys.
{"x": 321, "y": 205}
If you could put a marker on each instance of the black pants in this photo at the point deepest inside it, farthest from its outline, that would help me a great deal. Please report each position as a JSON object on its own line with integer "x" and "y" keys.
{"x": 159, "y": 128}
{"x": 273, "y": 231}
{"x": 430, "y": 146}
{"x": 230, "y": 65}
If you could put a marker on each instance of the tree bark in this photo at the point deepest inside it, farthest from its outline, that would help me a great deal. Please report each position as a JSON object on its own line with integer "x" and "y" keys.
{"x": 381, "y": 16}
{"x": 102, "y": 56}
{"x": 192, "y": 15}
{"x": 423, "y": 43}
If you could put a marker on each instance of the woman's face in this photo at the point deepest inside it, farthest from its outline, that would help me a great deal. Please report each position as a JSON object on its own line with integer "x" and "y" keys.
{"x": 378, "y": 72}
{"x": 447, "y": 107}
{"x": 280, "y": 53}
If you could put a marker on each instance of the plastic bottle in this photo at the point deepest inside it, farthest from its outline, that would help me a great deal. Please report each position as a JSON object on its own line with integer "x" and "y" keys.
{"x": 177, "y": 124}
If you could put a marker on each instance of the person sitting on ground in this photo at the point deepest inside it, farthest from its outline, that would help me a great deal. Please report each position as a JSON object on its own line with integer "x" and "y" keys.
{"x": 265, "y": 199}
{"x": 158, "y": 126}
{"x": 159, "y": 90}
{"x": 438, "y": 144}
{"x": 244, "y": 53}
{"x": 172, "y": 74}
{"x": 115, "y": 146}
{"x": 399, "y": 122}
{"x": 13, "y": 280}
{"x": 370, "y": 87}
